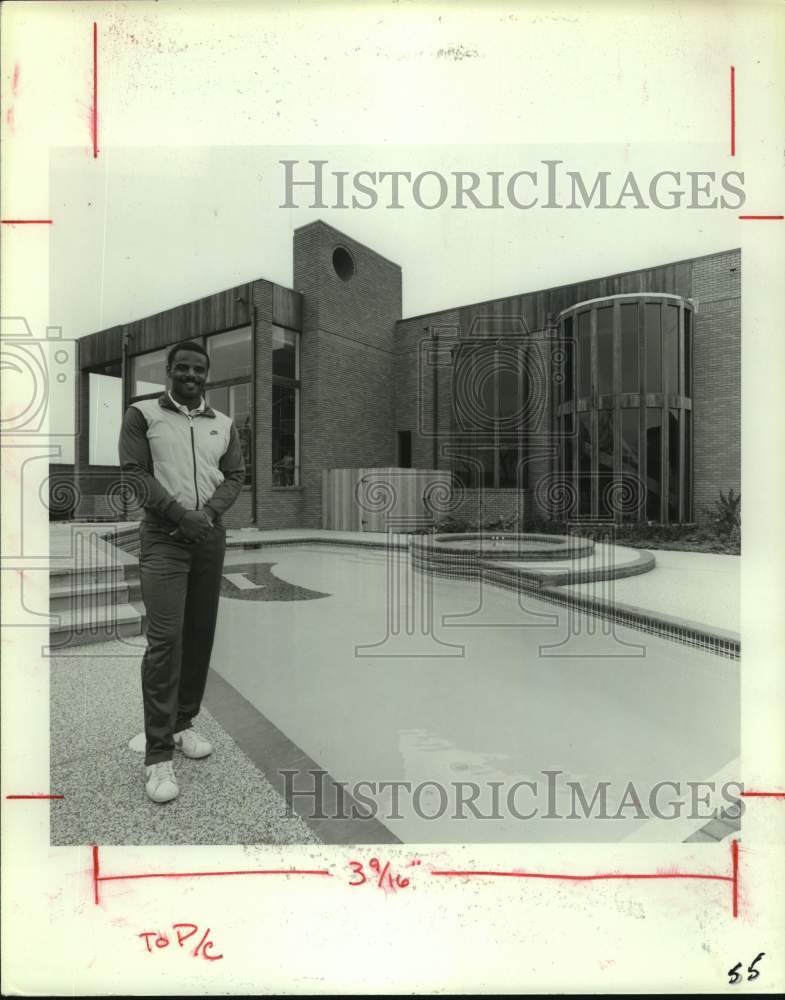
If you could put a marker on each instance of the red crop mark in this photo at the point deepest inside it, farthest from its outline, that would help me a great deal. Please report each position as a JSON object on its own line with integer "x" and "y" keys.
{"x": 733, "y": 878}
{"x": 733, "y": 111}
{"x": 34, "y": 796}
{"x": 251, "y": 871}
{"x": 96, "y": 871}
{"x": 764, "y": 795}
{"x": 762, "y": 216}
{"x": 94, "y": 109}
{"x": 15, "y": 80}
{"x": 734, "y": 853}
{"x": 26, "y": 222}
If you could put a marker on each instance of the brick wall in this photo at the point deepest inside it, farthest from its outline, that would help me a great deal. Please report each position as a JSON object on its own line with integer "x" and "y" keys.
{"x": 716, "y": 290}
{"x": 347, "y": 359}
{"x": 240, "y": 513}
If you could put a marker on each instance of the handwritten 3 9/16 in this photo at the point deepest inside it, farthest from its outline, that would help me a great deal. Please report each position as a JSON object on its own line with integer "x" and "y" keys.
{"x": 382, "y": 877}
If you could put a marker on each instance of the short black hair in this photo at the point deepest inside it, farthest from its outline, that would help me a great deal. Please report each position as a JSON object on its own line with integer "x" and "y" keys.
{"x": 186, "y": 345}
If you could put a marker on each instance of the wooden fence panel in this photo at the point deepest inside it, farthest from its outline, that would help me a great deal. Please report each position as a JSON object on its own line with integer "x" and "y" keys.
{"x": 384, "y": 499}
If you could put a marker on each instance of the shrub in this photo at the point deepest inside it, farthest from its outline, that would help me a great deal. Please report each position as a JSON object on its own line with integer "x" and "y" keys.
{"x": 726, "y": 515}
{"x": 451, "y": 525}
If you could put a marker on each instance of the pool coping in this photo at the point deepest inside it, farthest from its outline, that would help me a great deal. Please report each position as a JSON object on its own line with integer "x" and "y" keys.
{"x": 273, "y": 753}
{"x": 715, "y": 640}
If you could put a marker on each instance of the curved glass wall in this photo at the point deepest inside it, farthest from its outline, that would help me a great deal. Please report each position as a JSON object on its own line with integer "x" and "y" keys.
{"x": 624, "y": 408}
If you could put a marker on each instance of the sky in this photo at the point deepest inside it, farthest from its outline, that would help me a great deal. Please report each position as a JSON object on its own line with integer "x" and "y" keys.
{"x": 199, "y": 102}
{"x": 155, "y": 227}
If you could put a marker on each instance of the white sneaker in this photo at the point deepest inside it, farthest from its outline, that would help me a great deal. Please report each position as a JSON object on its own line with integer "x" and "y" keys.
{"x": 192, "y": 744}
{"x": 161, "y": 784}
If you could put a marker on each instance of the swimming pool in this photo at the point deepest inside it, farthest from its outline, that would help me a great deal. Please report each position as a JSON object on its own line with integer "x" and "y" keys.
{"x": 383, "y": 675}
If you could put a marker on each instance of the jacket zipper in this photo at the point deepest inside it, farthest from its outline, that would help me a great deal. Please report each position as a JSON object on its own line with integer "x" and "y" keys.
{"x": 193, "y": 453}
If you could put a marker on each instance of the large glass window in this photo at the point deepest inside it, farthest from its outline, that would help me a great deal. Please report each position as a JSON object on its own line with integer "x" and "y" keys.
{"x": 105, "y": 395}
{"x": 235, "y": 402}
{"x": 511, "y": 471}
{"x": 230, "y": 355}
{"x": 404, "y": 449}
{"x": 584, "y": 463}
{"x": 465, "y": 465}
{"x": 674, "y": 451}
{"x": 638, "y": 345}
{"x": 229, "y": 385}
{"x": 568, "y": 463}
{"x": 687, "y": 513}
{"x": 486, "y": 459}
{"x": 605, "y": 443}
{"x": 286, "y": 407}
{"x": 653, "y": 463}
{"x": 569, "y": 358}
{"x": 509, "y": 386}
{"x": 630, "y": 379}
{"x": 148, "y": 373}
{"x": 584, "y": 355}
{"x": 605, "y": 350}
{"x": 285, "y": 354}
{"x": 630, "y": 455}
{"x": 568, "y": 446}
{"x": 489, "y": 390}
{"x": 653, "y": 348}
{"x": 284, "y": 451}
{"x": 670, "y": 337}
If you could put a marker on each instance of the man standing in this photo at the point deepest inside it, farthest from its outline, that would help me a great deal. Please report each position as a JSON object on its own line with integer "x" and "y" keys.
{"x": 185, "y": 462}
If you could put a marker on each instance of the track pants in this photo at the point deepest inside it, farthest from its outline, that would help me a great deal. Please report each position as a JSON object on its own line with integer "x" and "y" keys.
{"x": 181, "y": 585}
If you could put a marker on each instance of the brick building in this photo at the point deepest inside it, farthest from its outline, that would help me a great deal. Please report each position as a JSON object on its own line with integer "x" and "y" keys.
{"x": 617, "y": 397}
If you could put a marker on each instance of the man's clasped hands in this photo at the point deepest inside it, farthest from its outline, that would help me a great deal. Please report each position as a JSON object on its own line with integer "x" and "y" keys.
{"x": 193, "y": 527}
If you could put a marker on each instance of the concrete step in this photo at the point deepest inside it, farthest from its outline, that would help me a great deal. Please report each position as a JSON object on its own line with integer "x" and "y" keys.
{"x": 97, "y": 624}
{"x": 88, "y": 556}
{"x": 95, "y": 572}
{"x": 67, "y": 593}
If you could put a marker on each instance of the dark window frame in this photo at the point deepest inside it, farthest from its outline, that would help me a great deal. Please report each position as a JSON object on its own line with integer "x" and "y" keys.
{"x": 296, "y": 385}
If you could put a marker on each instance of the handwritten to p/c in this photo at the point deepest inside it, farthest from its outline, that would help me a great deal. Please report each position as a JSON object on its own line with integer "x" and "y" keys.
{"x": 158, "y": 941}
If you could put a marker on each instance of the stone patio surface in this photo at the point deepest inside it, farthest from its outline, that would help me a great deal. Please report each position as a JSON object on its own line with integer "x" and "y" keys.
{"x": 701, "y": 587}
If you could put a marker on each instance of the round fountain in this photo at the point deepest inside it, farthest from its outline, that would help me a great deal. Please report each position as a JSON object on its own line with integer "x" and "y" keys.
{"x": 514, "y": 546}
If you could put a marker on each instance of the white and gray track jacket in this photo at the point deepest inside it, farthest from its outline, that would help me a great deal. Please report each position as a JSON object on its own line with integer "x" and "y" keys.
{"x": 175, "y": 462}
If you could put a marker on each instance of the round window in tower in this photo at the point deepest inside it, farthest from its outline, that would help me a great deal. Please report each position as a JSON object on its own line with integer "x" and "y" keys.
{"x": 343, "y": 263}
